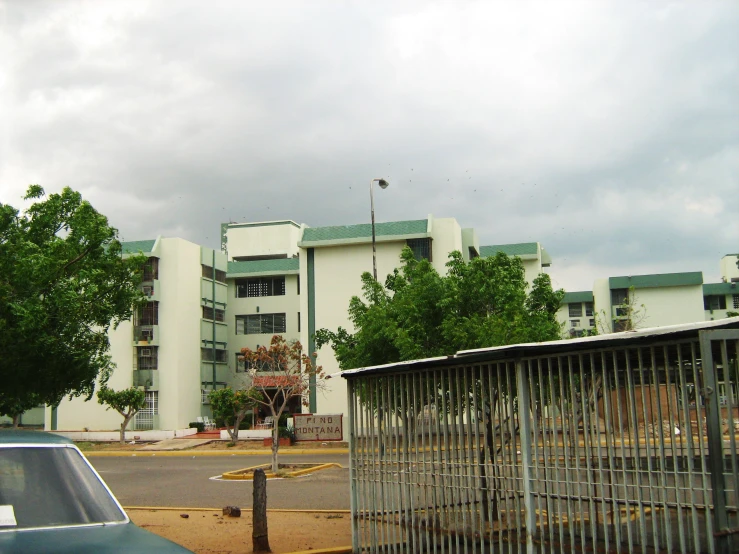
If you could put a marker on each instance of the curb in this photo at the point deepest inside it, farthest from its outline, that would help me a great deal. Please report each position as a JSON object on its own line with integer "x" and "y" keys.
{"x": 193, "y": 453}
{"x": 276, "y": 510}
{"x": 236, "y": 475}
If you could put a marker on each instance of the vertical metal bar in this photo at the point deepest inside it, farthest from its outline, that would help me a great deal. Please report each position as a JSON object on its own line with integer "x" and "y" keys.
{"x": 352, "y": 464}
{"x": 569, "y": 434}
{"x": 458, "y": 436}
{"x": 662, "y": 481}
{"x": 648, "y": 439}
{"x": 391, "y": 386}
{"x": 441, "y": 517}
{"x": 431, "y": 514}
{"x": 624, "y": 473}
{"x": 728, "y": 387}
{"x": 687, "y": 436}
{"x": 406, "y": 407}
{"x": 524, "y": 421}
{"x": 535, "y": 455}
{"x": 545, "y": 453}
{"x": 606, "y": 488}
{"x": 715, "y": 443}
{"x": 588, "y": 448}
{"x": 375, "y": 536}
{"x": 475, "y": 451}
{"x": 554, "y": 448}
{"x": 674, "y": 453}
{"x": 447, "y": 522}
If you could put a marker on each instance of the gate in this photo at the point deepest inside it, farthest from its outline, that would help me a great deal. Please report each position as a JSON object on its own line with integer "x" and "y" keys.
{"x": 618, "y": 443}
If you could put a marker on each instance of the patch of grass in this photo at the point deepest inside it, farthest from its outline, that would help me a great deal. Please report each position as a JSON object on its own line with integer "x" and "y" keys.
{"x": 85, "y": 445}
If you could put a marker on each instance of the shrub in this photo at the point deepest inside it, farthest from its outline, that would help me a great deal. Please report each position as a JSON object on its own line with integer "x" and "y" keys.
{"x": 198, "y": 425}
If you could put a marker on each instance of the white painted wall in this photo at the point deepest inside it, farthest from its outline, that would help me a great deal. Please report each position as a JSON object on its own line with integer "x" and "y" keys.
{"x": 446, "y": 235}
{"x": 729, "y": 270}
{"x": 76, "y": 414}
{"x": 337, "y": 273}
{"x": 602, "y": 300}
{"x": 671, "y": 305}
{"x": 262, "y": 240}
{"x": 180, "y": 312}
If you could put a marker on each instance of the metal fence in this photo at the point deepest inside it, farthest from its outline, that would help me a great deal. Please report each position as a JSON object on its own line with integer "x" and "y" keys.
{"x": 623, "y": 444}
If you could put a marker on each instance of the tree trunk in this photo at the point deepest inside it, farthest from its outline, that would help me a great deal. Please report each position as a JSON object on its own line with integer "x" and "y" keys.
{"x": 275, "y": 446}
{"x": 16, "y": 420}
{"x": 259, "y": 534}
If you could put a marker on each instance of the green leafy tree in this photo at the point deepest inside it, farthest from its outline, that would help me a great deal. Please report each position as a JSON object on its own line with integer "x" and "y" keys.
{"x": 14, "y": 407}
{"x": 63, "y": 284}
{"x": 127, "y": 402}
{"x": 280, "y": 374}
{"x": 419, "y": 313}
{"x": 232, "y": 405}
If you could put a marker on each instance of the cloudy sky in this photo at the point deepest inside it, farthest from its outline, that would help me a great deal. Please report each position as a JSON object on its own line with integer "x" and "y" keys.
{"x": 607, "y": 131}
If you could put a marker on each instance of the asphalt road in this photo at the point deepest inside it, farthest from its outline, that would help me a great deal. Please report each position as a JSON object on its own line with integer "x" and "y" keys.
{"x": 186, "y": 482}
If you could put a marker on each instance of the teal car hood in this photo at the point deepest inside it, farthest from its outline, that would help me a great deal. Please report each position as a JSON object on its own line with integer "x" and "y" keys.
{"x": 124, "y": 537}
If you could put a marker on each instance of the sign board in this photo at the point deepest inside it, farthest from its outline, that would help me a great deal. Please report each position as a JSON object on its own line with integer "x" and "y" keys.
{"x": 318, "y": 427}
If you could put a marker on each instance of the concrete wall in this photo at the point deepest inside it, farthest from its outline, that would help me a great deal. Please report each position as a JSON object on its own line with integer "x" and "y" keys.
{"x": 262, "y": 239}
{"x": 729, "y": 270}
{"x": 670, "y": 305}
{"x": 446, "y": 235}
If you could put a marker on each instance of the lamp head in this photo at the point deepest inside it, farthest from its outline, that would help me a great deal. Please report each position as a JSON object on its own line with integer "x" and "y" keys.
{"x": 383, "y": 183}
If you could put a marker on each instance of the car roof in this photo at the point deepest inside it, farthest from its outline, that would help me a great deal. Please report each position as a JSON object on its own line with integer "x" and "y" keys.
{"x": 31, "y": 437}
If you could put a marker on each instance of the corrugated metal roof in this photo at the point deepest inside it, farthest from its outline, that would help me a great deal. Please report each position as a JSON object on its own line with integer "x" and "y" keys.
{"x": 518, "y": 249}
{"x": 657, "y": 280}
{"x": 264, "y": 266}
{"x": 579, "y": 296}
{"x": 720, "y": 288}
{"x": 513, "y": 351}
{"x": 364, "y": 230}
{"x": 136, "y": 246}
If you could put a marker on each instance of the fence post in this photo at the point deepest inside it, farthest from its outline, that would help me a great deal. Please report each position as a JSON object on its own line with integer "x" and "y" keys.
{"x": 715, "y": 444}
{"x": 352, "y": 462}
{"x": 524, "y": 422}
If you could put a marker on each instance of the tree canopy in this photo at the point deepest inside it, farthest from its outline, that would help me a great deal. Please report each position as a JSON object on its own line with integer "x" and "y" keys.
{"x": 419, "y": 313}
{"x": 127, "y": 402}
{"x": 63, "y": 285}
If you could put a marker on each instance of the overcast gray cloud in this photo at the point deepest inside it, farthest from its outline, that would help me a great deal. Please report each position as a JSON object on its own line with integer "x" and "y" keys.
{"x": 608, "y": 131}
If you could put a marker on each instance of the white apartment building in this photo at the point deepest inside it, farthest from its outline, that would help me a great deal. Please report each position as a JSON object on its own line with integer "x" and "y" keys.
{"x": 281, "y": 277}
{"x": 653, "y": 300}
{"x": 174, "y": 348}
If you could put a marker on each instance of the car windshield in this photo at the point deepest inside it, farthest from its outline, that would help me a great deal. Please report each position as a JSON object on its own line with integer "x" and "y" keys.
{"x": 51, "y": 486}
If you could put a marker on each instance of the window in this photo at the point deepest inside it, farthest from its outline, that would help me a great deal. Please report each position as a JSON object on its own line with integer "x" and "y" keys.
{"x": 421, "y": 248}
{"x": 591, "y": 323}
{"x": 574, "y": 323}
{"x": 240, "y": 363}
{"x": 619, "y": 297}
{"x": 260, "y": 286}
{"x": 145, "y": 417}
{"x": 151, "y": 269}
{"x": 208, "y": 313}
{"x": 208, "y": 274}
{"x": 204, "y": 399}
{"x": 257, "y": 324}
{"x": 621, "y": 325}
{"x": 298, "y": 322}
{"x": 147, "y": 315}
{"x": 575, "y": 310}
{"x": 714, "y": 302}
{"x": 589, "y": 308}
{"x": 298, "y": 285}
{"x": 206, "y": 355}
{"x": 736, "y": 301}
{"x": 622, "y": 312}
{"x": 147, "y": 357}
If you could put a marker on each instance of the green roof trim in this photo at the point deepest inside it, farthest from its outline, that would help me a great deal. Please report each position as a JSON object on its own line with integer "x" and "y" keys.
{"x": 518, "y": 249}
{"x": 272, "y": 267}
{"x": 364, "y": 230}
{"x": 657, "y": 280}
{"x": 136, "y": 246}
{"x": 720, "y": 288}
{"x": 579, "y": 296}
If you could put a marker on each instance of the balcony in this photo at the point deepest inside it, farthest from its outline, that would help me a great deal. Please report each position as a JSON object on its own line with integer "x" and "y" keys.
{"x": 148, "y": 378}
{"x": 206, "y": 372}
{"x": 146, "y": 335}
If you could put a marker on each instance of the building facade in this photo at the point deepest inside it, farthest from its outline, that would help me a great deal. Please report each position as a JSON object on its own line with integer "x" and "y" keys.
{"x": 281, "y": 277}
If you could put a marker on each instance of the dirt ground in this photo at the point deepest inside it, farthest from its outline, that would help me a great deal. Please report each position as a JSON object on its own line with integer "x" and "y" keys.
{"x": 209, "y": 532}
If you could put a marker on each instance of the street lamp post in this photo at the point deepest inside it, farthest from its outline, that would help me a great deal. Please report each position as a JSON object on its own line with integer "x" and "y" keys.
{"x": 383, "y": 185}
